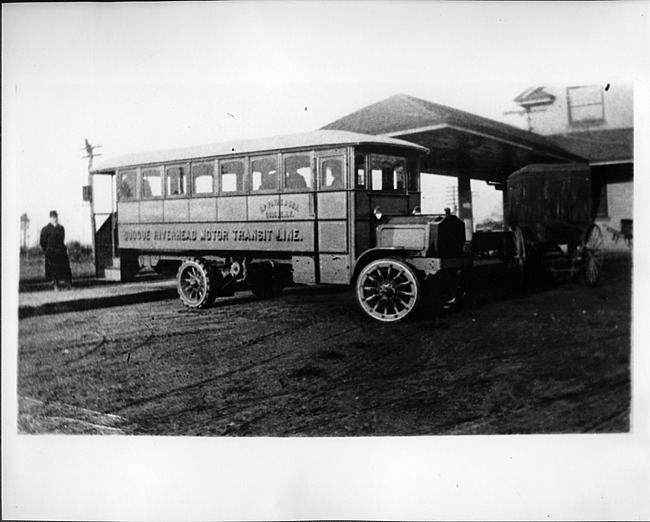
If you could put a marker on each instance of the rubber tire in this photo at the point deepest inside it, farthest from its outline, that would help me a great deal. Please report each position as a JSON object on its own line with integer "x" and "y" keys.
{"x": 369, "y": 277}
{"x": 197, "y": 283}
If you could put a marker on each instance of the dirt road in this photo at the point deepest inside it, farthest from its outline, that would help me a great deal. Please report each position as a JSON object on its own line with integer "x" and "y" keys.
{"x": 309, "y": 364}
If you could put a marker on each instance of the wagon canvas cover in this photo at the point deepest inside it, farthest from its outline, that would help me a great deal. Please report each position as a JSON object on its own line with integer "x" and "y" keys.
{"x": 555, "y": 201}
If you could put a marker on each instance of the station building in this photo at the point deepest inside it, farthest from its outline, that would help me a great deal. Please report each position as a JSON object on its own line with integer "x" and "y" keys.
{"x": 597, "y": 123}
{"x": 566, "y": 124}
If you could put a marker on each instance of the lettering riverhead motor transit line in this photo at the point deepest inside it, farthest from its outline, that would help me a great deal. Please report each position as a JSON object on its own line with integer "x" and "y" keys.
{"x": 207, "y": 234}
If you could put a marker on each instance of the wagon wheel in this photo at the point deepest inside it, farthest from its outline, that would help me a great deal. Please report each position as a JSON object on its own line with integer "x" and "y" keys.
{"x": 197, "y": 283}
{"x": 592, "y": 254}
{"x": 388, "y": 290}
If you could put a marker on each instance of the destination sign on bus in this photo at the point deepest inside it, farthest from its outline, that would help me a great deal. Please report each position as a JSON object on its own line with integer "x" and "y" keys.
{"x": 295, "y": 236}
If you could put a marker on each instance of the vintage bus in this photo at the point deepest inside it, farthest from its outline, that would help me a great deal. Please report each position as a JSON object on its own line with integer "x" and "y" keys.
{"x": 324, "y": 207}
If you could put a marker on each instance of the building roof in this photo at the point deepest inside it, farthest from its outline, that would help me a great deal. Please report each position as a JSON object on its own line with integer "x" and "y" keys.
{"x": 402, "y": 112}
{"x": 599, "y": 146}
{"x": 315, "y": 139}
{"x": 490, "y": 149}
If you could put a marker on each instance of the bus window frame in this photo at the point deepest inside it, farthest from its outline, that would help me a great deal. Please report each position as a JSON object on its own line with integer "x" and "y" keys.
{"x": 347, "y": 157}
{"x": 136, "y": 187}
{"x": 244, "y": 184}
{"x": 192, "y": 193}
{"x": 187, "y": 183}
{"x": 161, "y": 170}
{"x": 413, "y": 172}
{"x": 310, "y": 155}
{"x": 319, "y": 173}
{"x": 278, "y": 165}
{"x": 364, "y": 155}
{"x": 369, "y": 174}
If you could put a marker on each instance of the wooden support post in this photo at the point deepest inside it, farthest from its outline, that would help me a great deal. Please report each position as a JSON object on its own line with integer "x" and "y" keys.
{"x": 92, "y": 219}
{"x": 504, "y": 194}
{"x": 506, "y": 225}
{"x": 113, "y": 214}
{"x": 465, "y": 212}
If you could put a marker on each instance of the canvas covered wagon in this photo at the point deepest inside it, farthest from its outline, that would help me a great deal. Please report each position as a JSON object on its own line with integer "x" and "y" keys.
{"x": 551, "y": 211}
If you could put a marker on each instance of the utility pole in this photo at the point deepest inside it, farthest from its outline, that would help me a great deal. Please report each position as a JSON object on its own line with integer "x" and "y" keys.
{"x": 451, "y": 199}
{"x": 527, "y": 111}
{"x": 88, "y": 194}
{"x": 24, "y": 231}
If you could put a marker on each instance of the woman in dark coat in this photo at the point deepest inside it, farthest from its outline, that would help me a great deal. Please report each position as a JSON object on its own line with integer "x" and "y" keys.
{"x": 57, "y": 265}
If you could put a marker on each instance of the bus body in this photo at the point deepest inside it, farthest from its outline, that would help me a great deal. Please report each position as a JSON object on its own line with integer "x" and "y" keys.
{"x": 312, "y": 208}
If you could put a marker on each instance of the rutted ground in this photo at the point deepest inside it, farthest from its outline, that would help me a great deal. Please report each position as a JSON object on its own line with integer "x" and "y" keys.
{"x": 309, "y": 364}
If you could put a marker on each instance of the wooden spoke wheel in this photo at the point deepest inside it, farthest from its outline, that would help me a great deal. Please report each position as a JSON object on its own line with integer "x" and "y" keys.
{"x": 197, "y": 283}
{"x": 388, "y": 290}
{"x": 592, "y": 254}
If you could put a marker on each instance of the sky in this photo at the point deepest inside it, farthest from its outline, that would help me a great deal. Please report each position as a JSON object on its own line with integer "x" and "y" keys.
{"x": 54, "y": 119}
{"x": 141, "y": 77}
{"x": 136, "y": 77}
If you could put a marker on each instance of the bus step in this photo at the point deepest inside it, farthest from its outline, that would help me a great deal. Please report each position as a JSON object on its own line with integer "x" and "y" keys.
{"x": 112, "y": 273}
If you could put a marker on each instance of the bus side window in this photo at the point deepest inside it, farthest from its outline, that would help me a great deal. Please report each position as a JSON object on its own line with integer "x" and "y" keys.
{"x": 126, "y": 185}
{"x": 176, "y": 180}
{"x": 298, "y": 172}
{"x": 152, "y": 183}
{"x": 264, "y": 174}
{"x": 232, "y": 176}
{"x": 377, "y": 179}
{"x": 360, "y": 171}
{"x": 331, "y": 174}
{"x": 202, "y": 178}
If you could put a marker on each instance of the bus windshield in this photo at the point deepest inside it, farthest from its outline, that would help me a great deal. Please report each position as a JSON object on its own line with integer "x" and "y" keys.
{"x": 387, "y": 173}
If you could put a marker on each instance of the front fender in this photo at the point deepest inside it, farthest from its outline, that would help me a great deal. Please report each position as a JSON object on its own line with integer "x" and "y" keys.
{"x": 376, "y": 253}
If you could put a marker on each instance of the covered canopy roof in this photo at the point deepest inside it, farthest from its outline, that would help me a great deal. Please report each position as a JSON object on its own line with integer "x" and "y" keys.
{"x": 599, "y": 146}
{"x": 610, "y": 152}
{"x": 314, "y": 139}
{"x": 458, "y": 141}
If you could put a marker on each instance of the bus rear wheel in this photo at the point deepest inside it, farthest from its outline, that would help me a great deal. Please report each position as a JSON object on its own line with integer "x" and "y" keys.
{"x": 198, "y": 283}
{"x": 388, "y": 290}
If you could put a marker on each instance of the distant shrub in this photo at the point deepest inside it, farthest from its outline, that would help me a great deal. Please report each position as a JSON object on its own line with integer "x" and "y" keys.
{"x": 33, "y": 252}
{"x": 79, "y": 253}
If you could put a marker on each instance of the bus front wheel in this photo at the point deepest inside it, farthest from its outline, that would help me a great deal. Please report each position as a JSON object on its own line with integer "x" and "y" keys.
{"x": 388, "y": 290}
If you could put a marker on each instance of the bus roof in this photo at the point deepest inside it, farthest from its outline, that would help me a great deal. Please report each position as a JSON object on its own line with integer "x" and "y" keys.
{"x": 319, "y": 138}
